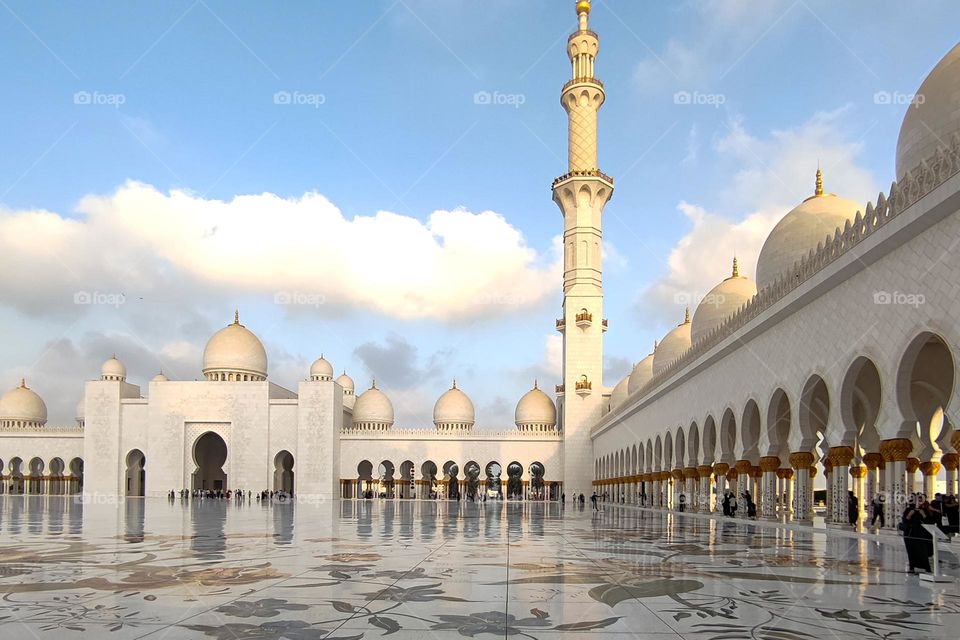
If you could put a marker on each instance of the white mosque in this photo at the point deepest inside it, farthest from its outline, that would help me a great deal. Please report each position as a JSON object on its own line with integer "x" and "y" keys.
{"x": 837, "y": 358}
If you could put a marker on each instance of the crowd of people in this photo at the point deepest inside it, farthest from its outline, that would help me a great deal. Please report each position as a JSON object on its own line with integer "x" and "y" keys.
{"x": 943, "y": 512}
{"x": 239, "y": 496}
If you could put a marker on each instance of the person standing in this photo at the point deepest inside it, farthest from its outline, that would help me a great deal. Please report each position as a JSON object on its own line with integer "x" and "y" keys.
{"x": 916, "y": 539}
{"x": 593, "y": 501}
{"x": 683, "y": 502}
{"x": 853, "y": 508}
{"x": 876, "y": 507}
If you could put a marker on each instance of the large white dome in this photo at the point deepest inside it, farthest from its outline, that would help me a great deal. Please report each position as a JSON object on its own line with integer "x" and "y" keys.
{"x": 641, "y": 374}
{"x": 722, "y": 302}
{"x": 234, "y": 353}
{"x": 321, "y": 369}
{"x": 673, "y": 345}
{"x": 373, "y": 410}
{"x": 535, "y": 411}
{"x": 801, "y": 230}
{"x": 454, "y": 410}
{"x": 934, "y": 116}
{"x": 23, "y": 407}
{"x": 113, "y": 369}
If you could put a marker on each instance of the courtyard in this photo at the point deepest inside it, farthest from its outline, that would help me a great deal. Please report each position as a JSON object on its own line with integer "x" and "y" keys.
{"x": 432, "y": 569}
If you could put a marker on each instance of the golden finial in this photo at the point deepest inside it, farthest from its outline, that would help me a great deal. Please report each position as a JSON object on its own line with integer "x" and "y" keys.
{"x": 373, "y": 382}
{"x": 686, "y": 316}
{"x": 583, "y": 7}
{"x": 736, "y": 268}
{"x": 236, "y": 316}
{"x": 23, "y": 383}
{"x": 535, "y": 382}
{"x": 454, "y": 384}
{"x": 819, "y": 189}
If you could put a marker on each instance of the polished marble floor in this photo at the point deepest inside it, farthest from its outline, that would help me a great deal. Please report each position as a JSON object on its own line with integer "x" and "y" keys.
{"x": 209, "y": 569}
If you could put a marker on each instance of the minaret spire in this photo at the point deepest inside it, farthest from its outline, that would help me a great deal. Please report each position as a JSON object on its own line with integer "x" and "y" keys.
{"x": 581, "y": 194}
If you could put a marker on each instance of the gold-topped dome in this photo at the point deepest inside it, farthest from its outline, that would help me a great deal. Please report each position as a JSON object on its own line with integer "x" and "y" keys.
{"x": 583, "y": 7}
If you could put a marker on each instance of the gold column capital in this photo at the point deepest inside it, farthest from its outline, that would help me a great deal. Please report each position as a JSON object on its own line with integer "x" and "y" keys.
{"x": 896, "y": 449}
{"x": 801, "y": 460}
{"x": 951, "y": 461}
{"x": 872, "y": 460}
{"x": 721, "y": 468}
{"x": 858, "y": 472}
{"x": 913, "y": 464}
{"x": 930, "y": 468}
{"x": 769, "y": 463}
{"x": 704, "y": 470}
{"x": 840, "y": 456}
{"x": 743, "y": 467}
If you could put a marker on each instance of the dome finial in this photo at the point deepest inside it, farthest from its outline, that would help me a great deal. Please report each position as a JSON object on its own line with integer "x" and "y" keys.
{"x": 373, "y": 382}
{"x": 819, "y": 188}
{"x": 583, "y": 6}
{"x": 236, "y": 316}
{"x": 736, "y": 268}
{"x": 454, "y": 384}
{"x": 23, "y": 383}
{"x": 655, "y": 345}
{"x": 686, "y": 316}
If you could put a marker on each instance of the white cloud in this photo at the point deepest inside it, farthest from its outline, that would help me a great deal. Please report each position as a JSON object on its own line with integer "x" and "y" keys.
{"x": 768, "y": 176}
{"x": 721, "y": 34}
{"x": 457, "y": 265}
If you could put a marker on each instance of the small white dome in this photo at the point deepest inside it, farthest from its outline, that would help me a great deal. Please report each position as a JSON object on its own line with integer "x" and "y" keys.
{"x": 159, "y": 378}
{"x": 641, "y": 374}
{"x": 535, "y": 409}
{"x": 619, "y": 394}
{"x": 934, "y": 117}
{"x": 373, "y": 409}
{"x": 454, "y": 410}
{"x": 346, "y": 382}
{"x": 723, "y": 301}
{"x": 805, "y": 226}
{"x": 673, "y": 345}
{"x": 113, "y": 369}
{"x": 321, "y": 369}
{"x": 234, "y": 351}
{"x": 23, "y": 405}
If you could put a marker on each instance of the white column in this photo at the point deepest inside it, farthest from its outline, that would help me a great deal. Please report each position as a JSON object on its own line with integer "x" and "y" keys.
{"x": 802, "y": 462}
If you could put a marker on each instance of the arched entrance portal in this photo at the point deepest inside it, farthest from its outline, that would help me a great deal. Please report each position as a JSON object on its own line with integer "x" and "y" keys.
{"x": 283, "y": 472}
{"x": 209, "y": 454}
{"x": 136, "y": 474}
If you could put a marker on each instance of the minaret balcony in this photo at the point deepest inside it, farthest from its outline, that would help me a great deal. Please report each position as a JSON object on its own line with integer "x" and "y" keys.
{"x": 584, "y": 386}
{"x": 561, "y": 325}
{"x": 587, "y": 173}
{"x": 584, "y": 319}
{"x": 603, "y": 324}
{"x": 576, "y": 81}
{"x": 560, "y": 388}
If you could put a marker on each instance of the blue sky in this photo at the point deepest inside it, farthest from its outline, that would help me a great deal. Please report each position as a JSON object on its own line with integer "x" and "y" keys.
{"x": 112, "y": 106}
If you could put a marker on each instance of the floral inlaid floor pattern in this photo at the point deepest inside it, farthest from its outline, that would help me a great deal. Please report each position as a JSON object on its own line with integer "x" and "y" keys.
{"x": 370, "y": 569}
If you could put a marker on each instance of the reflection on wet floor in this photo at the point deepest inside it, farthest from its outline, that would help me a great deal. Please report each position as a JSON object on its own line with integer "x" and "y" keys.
{"x": 217, "y": 569}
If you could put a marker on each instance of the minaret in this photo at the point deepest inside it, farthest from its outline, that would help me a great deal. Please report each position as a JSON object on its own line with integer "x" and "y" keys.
{"x": 581, "y": 195}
